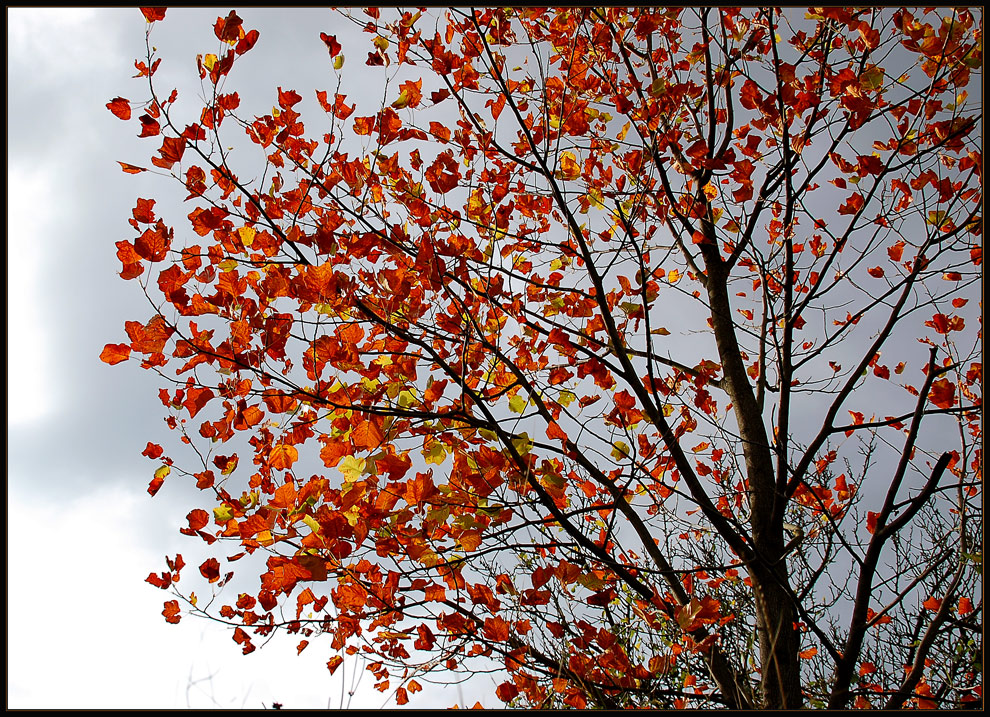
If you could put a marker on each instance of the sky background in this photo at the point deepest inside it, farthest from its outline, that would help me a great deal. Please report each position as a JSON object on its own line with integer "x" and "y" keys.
{"x": 84, "y": 629}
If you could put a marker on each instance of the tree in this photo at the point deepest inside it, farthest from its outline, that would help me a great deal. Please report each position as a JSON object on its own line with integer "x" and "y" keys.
{"x": 631, "y": 354}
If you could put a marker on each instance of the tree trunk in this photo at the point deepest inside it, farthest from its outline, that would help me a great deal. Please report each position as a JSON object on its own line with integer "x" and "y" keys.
{"x": 775, "y": 612}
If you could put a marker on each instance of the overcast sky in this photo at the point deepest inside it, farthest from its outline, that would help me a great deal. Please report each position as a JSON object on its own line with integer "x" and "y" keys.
{"x": 84, "y": 629}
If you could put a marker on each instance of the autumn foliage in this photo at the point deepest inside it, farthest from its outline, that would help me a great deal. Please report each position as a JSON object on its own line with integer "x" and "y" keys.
{"x": 634, "y": 354}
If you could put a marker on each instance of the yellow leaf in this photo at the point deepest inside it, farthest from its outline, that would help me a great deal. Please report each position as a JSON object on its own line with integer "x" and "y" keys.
{"x": 209, "y": 61}
{"x": 523, "y": 444}
{"x": 247, "y": 235}
{"x": 569, "y": 167}
{"x": 517, "y": 404}
{"x": 620, "y": 450}
{"x": 352, "y": 468}
{"x": 338, "y": 62}
{"x": 436, "y": 453}
{"x": 312, "y": 523}
{"x": 162, "y": 472}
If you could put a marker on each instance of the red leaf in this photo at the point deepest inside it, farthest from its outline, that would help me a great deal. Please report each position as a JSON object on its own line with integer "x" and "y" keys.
{"x": 247, "y": 42}
{"x": 155, "y": 485}
{"x": 120, "y": 107}
{"x": 853, "y": 204}
{"x": 149, "y": 126}
{"x": 871, "y": 521}
{"x": 331, "y": 42}
{"x": 288, "y": 98}
{"x": 171, "y": 150}
{"x": 932, "y": 603}
{"x": 210, "y": 569}
{"x": 228, "y": 29}
{"x": 943, "y": 393}
{"x": 153, "y": 451}
{"x": 151, "y": 14}
{"x": 144, "y": 211}
{"x": 153, "y": 244}
{"x": 162, "y": 582}
{"x": 541, "y": 576}
{"x": 171, "y": 611}
{"x": 876, "y": 272}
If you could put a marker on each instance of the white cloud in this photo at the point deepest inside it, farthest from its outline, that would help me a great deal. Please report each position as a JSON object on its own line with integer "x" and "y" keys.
{"x": 85, "y": 631}
{"x": 27, "y": 365}
{"x": 58, "y": 41}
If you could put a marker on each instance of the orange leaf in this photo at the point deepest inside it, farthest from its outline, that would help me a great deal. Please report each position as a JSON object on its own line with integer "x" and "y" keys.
{"x": 153, "y": 13}
{"x": 932, "y": 603}
{"x": 419, "y": 489}
{"x": 247, "y": 416}
{"x": 155, "y": 485}
{"x": 435, "y": 593}
{"x": 555, "y": 431}
{"x": 130, "y": 168}
{"x": 171, "y": 611}
{"x": 363, "y": 125}
{"x": 115, "y": 353}
{"x": 120, "y": 107}
{"x": 283, "y": 456}
{"x": 198, "y": 519}
{"x": 196, "y": 398}
{"x": 367, "y": 435}
{"x": 871, "y": 521}
{"x": 943, "y": 393}
{"x": 808, "y": 654}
